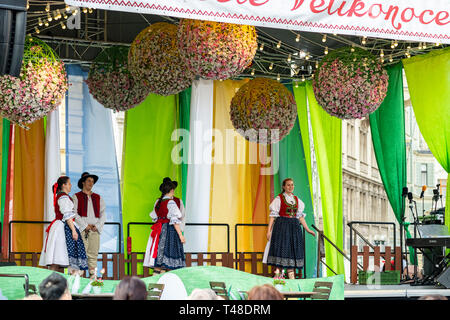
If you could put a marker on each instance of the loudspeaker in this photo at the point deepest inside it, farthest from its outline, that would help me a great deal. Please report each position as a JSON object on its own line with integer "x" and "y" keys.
{"x": 13, "y": 21}
{"x": 444, "y": 278}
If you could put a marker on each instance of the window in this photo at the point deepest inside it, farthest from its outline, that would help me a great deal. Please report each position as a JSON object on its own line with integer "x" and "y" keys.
{"x": 423, "y": 174}
{"x": 363, "y": 146}
{"x": 350, "y": 139}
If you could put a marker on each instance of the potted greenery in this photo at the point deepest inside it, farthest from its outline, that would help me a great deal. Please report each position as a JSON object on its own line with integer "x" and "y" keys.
{"x": 279, "y": 282}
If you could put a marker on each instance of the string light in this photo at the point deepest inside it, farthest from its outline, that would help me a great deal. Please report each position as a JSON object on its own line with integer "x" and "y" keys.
{"x": 326, "y": 50}
{"x": 324, "y": 38}
{"x": 85, "y": 10}
{"x": 424, "y": 45}
{"x": 55, "y": 15}
{"x": 271, "y": 66}
{"x": 303, "y": 77}
{"x": 47, "y": 7}
{"x": 279, "y": 44}
{"x": 67, "y": 8}
{"x": 289, "y": 58}
{"x": 36, "y": 29}
{"x": 296, "y": 84}
{"x": 352, "y": 49}
{"x": 390, "y": 58}
{"x": 90, "y": 10}
{"x": 63, "y": 26}
{"x": 297, "y": 39}
{"x": 49, "y": 17}
{"x": 363, "y": 41}
{"x": 420, "y": 46}
{"x": 253, "y": 72}
{"x": 317, "y": 64}
{"x": 75, "y": 12}
{"x": 392, "y": 44}
{"x": 46, "y": 23}
{"x": 437, "y": 44}
{"x": 307, "y": 57}
{"x": 261, "y": 48}
{"x": 278, "y": 77}
{"x": 59, "y": 14}
{"x": 65, "y": 15}
{"x": 40, "y": 22}
{"x": 395, "y": 43}
{"x": 28, "y": 4}
{"x": 382, "y": 53}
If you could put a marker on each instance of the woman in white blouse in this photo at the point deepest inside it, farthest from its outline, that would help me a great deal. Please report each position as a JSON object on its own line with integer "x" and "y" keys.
{"x": 165, "y": 244}
{"x": 284, "y": 231}
{"x": 63, "y": 245}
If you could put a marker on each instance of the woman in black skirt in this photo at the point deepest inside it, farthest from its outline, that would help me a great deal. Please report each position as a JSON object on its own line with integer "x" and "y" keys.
{"x": 284, "y": 231}
{"x": 165, "y": 244}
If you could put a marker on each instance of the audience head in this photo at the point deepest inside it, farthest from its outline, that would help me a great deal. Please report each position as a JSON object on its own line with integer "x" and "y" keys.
{"x": 54, "y": 287}
{"x": 204, "y": 294}
{"x": 433, "y": 297}
{"x": 130, "y": 288}
{"x": 33, "y": 297}
{"x": 264, "y": 292}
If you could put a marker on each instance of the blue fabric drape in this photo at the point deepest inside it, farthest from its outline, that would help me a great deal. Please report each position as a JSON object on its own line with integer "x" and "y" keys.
{"x": 90, "y": 147}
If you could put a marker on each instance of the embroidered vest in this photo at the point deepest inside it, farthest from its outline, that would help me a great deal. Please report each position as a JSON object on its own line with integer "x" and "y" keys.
{"x": 58, "y": 214}
{"x": 163, "y": 210}
{"x": 286, "y": 209}
{"x": 83, "y": 204}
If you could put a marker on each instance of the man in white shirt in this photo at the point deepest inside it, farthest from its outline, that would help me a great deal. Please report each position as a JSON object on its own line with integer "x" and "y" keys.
{"x": 90, "y": 217}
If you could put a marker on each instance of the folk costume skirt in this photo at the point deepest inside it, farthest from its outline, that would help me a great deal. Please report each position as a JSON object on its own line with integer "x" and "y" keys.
{"x": 170, "y": 249}
{"x": 286, "y": 244}
{"x": 75, "y": 250}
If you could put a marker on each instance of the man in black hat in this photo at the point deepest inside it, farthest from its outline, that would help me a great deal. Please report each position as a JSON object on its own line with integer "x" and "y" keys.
{"x": 90, "y": 217}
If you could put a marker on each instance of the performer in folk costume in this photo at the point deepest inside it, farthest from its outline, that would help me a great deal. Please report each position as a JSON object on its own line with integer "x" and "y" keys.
{"x": 165, "y": 244}
{"x": 63, "y": 245}
{"x": 285, "y": 233}
{"x": 90, "y": 208}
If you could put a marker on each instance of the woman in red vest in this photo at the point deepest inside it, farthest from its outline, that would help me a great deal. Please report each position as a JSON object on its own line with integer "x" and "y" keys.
{"x": 284, "y": 231}
{"x": 165, "y": 244}
{"x": 63, "y": 245}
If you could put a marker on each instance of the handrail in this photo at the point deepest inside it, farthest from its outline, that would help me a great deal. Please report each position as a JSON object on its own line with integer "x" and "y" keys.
{"x": 46, "y": 222}
{"x": 188, "y": 224}
{"x": 350, "y": 224}
{"x": 12, "y": 275}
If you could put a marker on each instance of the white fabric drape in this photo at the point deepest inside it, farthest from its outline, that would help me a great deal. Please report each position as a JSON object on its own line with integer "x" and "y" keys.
{"x": 199, "y": 166}
{"x": 52, "y": 161}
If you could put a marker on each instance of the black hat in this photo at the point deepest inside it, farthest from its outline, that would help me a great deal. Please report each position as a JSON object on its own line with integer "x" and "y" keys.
{"x": 166, "y": 181}
{"x": 84, "y": 176}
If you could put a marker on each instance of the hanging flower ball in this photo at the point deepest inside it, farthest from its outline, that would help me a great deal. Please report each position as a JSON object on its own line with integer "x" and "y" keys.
{"x": 38, "y": 90}
{"x": 216, "y": 50}
{"x": 350, "y": 83}
{"x": 154, "y": 60}
{"x": 263, "y": 111}
{"x": 111, "y": 83}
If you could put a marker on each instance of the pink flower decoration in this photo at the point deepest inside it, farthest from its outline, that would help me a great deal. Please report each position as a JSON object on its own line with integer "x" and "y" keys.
{"x": 350, "y": 85}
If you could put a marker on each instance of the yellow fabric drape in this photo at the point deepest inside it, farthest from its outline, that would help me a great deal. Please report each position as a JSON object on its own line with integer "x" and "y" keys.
{"x": 234, "y": 175}
{"x": 29, "y": 178}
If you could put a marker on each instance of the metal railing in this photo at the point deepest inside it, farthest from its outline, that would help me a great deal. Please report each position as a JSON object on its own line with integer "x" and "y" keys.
{"x": 48, "y": 222}
{"x": 187, "y": 224}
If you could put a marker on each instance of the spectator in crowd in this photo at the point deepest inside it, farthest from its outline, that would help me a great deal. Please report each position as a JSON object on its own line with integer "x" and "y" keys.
{"x": 204, "y": 294}
{"x": 433, "y": 297}
{"x": 130, "y": 288}
{"x": 54, "y": 287}
{"x": 33, "y": 297}
{"x": 264, "y": 292}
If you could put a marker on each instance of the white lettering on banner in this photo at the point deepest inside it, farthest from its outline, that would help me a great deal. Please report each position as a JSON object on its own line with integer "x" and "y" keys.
{"x": 414, "y": 20}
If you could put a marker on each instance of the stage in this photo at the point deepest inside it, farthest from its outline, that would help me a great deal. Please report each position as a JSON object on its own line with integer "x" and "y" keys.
{"x": 391, "y": 292}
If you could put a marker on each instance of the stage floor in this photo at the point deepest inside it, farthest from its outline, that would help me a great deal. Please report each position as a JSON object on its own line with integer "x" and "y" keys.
{"x": 398, "y": 292}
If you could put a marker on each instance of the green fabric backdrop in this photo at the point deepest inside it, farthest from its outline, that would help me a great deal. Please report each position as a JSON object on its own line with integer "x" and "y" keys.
{"x": 147, "y": 160}
{"x": 185, "y": 110}
{"x": 292, "y": 164}
{"x": 428, "y": 78}
{"x": 387, "y": 125}
{"x": 327, "y": 133}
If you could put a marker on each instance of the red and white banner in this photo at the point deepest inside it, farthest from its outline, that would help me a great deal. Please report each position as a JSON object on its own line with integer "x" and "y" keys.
{"x": 414, "y": 20}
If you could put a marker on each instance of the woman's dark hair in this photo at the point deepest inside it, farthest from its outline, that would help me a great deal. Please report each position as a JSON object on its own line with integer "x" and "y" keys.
{"x": 130, "y": 288}
{"x": 61, "y": 180}
{"x": 53, "y": 287}
{"x": 164, "y": 188}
